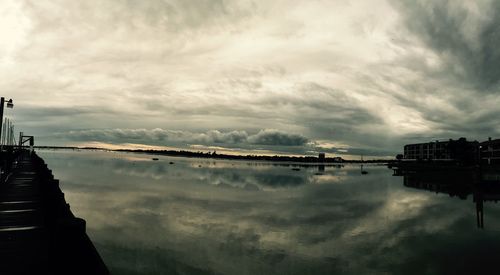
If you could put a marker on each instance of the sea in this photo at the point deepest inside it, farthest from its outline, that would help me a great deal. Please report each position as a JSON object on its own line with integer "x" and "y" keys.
{"x": 178, "y": 215}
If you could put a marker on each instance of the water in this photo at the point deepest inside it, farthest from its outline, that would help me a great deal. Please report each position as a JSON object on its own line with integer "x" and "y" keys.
{"x": 199, "y": 216}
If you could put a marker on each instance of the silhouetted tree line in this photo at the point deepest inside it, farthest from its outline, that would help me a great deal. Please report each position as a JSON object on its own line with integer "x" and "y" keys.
{"x": 215, "y": 155}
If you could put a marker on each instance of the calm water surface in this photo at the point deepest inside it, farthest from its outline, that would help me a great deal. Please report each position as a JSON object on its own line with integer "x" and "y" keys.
{"x": 199, "y": 216}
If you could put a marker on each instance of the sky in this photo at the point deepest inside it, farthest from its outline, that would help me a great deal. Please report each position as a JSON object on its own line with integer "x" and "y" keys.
{"x": 252, "y": 76}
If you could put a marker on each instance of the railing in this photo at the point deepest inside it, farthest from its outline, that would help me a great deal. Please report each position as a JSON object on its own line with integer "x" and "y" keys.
{"x": 8, "y": 156}
{"x": 7, "y": 150}
{"x": 10, "y": 152}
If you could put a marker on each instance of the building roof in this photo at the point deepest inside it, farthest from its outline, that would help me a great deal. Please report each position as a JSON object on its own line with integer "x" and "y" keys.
{"x": 444, "y": 141}
{"x": 491, "y": 142}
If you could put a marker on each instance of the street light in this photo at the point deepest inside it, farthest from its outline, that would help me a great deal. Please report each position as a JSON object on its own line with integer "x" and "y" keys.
{"x": 10, "y": 104}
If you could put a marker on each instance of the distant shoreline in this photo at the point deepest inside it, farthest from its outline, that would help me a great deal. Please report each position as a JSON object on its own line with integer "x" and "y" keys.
{"x": 213, "y": 155}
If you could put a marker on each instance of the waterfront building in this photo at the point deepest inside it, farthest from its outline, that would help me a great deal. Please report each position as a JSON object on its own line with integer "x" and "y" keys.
{"x": 461, "y": 150}
{"x": 321, "y": 157}
{"x": 490, "y": 151}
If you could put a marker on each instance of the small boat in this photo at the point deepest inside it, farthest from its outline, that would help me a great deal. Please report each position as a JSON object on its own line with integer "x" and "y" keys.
{"x": 171, "y": 162}
{"x": 363, "y": 172}
{"x": 296, "y": 169}
{"x": 154, "y": 158}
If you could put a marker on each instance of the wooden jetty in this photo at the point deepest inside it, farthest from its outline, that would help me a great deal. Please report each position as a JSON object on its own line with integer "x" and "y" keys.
{"x": 38, "y": 232}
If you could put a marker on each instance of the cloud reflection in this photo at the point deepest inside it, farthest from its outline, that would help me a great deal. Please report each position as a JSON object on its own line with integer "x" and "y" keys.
{"x": 152, "y": 217}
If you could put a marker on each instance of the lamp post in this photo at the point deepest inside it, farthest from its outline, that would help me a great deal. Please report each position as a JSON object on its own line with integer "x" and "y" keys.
{"x": 10, "y": 104}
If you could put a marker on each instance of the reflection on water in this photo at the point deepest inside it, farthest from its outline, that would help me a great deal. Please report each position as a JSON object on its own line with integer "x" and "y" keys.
{"x": 483, "y": 186}
{"x": 199, "y": 216}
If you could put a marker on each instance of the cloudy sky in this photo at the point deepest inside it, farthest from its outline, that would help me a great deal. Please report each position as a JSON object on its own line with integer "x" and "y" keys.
{"x": 291, "y": 76}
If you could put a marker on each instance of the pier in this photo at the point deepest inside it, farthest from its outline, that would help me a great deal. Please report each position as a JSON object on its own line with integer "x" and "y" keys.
{"x": 38, "y": 232}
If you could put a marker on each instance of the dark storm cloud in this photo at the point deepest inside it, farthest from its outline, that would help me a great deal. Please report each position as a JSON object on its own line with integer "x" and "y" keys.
{"x": 275, "y": 137}
{"x": 264, "y": 137}
{"x": 324, "y": 110}
{"x": 464, "y": 34}
{"x": 480, "y": 125}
